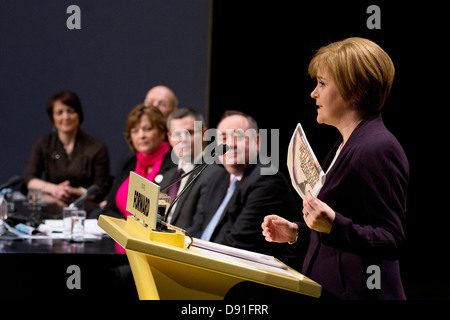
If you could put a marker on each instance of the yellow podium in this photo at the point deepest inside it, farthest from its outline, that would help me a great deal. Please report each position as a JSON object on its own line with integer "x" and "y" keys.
{"x": 166, "y": 271}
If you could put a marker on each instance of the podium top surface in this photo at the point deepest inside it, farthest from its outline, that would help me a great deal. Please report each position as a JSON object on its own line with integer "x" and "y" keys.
{"x": 132, "y": 236}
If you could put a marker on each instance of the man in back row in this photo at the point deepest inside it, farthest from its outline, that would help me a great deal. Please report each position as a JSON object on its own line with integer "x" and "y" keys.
{"x": 162, "y": 98}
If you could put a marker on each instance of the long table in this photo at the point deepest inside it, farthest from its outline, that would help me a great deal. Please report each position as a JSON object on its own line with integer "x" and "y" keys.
{"x": 46, "y": 269}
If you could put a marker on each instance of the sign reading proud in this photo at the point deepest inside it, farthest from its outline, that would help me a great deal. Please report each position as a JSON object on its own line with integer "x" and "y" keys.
{"x": 142, "y": 200}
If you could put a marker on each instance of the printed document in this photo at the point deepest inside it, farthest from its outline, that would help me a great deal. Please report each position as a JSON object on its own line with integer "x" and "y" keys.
{"x": 304, "y": 169}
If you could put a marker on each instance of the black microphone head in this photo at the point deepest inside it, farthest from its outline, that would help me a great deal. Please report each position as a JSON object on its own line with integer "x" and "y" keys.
{"x": 209, "y": 155}
{"x": 221, "y": 149}
{"x": 14, "y": 180}
{"x": 92, "y": 190}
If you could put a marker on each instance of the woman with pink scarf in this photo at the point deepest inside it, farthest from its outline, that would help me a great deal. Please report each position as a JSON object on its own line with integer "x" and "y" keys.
{"x": 146, "y": 135}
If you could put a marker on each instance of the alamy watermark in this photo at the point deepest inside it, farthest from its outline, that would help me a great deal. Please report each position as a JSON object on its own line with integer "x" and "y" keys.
{"x": 245, "y": 147}
{"x": 74, "y": 20}
{"x": 74, "y": 280}
{"x": 374, "y": 279}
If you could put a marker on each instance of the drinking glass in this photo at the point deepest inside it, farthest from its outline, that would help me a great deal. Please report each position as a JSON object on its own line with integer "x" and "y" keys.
{"x": 78, "y": 219}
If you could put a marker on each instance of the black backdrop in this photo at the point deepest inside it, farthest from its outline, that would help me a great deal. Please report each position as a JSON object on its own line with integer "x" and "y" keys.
{"x": 260, "y": 55}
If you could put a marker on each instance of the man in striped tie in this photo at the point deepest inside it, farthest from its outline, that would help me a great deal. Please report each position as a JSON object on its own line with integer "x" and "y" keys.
{"x": 185, "y": 129}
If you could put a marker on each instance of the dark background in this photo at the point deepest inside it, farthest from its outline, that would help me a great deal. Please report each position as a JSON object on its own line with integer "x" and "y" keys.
{"x": 260, "y": 56}
{"x": 123, "y": 49}
{"x": 246, "y": 55}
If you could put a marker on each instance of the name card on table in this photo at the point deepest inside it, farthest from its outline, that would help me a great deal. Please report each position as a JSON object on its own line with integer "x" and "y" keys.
{"x": 142, "y": 200}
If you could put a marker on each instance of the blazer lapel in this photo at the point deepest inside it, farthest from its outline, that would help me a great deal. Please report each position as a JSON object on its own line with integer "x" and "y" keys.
{"x": 185, "y": 195}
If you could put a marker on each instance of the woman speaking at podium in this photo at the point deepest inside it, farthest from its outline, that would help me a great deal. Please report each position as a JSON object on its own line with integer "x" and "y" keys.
{"x": 357, "y": 220}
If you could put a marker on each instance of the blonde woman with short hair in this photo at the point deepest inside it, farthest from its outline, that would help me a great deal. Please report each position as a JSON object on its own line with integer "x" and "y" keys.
{"x": 355, "y": 226}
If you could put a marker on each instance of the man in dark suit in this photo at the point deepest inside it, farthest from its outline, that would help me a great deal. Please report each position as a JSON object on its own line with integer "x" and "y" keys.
{"x": 255, "y": 195}
{"x": 185, "y": 129}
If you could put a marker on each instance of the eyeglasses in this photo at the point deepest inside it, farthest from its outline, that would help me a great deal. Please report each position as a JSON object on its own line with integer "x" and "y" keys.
{"x": 159, "y": 103}
{"x": 182, "y": 132}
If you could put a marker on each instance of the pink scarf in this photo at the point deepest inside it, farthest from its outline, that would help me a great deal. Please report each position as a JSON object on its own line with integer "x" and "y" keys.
{"x": 153, "y": 160}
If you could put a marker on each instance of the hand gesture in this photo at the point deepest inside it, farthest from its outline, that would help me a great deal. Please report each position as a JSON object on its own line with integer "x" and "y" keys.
{"x": 278, "y": 229}
{"x": 317, "y": 214}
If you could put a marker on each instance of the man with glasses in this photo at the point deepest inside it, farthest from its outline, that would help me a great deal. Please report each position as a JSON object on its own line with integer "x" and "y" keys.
{"x": 162, "y": 98}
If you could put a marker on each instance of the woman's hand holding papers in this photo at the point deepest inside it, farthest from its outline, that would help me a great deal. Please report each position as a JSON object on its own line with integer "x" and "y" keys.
{"x": 317, "y": 214}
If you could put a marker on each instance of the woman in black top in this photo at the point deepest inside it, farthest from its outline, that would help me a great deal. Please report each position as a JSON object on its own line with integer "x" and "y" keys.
{"x": 64, "y": 163}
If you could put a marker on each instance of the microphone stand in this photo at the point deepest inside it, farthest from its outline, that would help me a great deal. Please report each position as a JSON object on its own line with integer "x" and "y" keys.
{"x": 162, "y": 225}
{"x": 203, "y": 167}
{"x": 181, "y": 178}
{"x": 223, "y": 149}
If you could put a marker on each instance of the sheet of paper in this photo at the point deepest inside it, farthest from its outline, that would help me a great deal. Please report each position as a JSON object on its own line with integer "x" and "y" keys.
{"x": 53, "y": 229}
{"x": 238, "y": 253}
{"x": 304, "y": 169}
{"x": 248, "y": 263}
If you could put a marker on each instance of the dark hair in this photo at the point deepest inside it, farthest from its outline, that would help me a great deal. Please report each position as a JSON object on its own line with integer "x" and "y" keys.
{"x": 182, "y": 113}
{"x": 251, "y": 121}
{"x": 69, "y": 98}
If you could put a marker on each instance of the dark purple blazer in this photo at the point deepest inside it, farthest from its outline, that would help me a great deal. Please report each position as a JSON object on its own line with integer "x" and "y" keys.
{"x": 366, "y": 187}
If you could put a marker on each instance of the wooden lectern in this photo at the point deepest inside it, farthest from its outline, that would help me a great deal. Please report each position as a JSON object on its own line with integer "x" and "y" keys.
{"x": 166, "y": 271}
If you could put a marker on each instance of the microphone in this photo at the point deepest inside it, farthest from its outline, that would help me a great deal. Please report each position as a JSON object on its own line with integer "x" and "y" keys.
{"x": 11, "y": 182}
{"x": 218, "y": 151}
{"x": 80, "y": 201}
